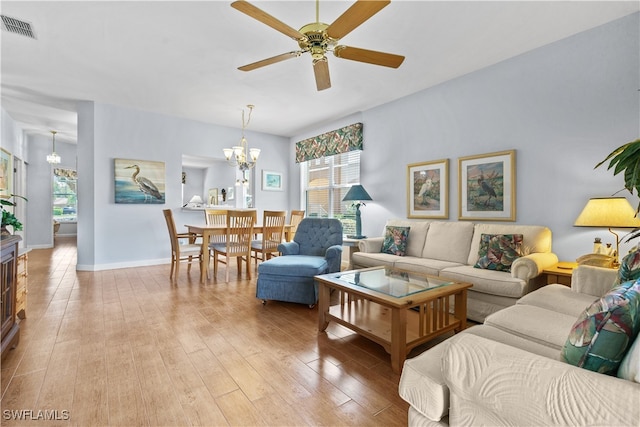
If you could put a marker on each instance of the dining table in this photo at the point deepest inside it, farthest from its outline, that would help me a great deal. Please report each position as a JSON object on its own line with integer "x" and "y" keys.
{"x": 206, "y": 231}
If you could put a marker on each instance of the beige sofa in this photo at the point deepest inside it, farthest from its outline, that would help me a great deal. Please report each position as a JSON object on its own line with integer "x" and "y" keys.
{"x": 508, "y": 370}
{"x": 450, "y": 249}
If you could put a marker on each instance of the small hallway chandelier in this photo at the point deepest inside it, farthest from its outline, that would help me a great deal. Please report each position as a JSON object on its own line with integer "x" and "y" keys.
{"x": 53, "y": 158}
{"x": 237, "y": 155}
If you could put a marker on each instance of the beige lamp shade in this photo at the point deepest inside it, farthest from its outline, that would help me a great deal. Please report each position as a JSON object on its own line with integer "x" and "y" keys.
{"x": 611, "y": 212}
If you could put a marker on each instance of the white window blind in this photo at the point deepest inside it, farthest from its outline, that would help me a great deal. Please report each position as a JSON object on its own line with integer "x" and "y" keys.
{"x": 326, "y": 181}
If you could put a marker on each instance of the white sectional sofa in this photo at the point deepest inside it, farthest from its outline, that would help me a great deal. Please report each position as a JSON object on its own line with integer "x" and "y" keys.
{"x": 450, "y": 249}
{"x": 508, "y": 371}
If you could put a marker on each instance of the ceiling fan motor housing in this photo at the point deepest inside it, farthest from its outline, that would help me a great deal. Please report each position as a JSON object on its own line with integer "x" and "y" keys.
{"x": 316, "y": 40}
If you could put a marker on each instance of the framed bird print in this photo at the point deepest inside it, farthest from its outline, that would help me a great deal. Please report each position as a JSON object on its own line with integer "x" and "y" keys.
{"x": 139, "y": 181}
{"x": 487, "y": 187}
{"x": 428, "y": 189}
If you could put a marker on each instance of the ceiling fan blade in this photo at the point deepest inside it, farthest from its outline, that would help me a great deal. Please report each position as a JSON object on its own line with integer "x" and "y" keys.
{"x": 368, "y": 56}
{"x": 359, "y": 12}
{"x": 269, "y": 61}
{"x": 262, "y": 16}
{"x": 321, "y": 70}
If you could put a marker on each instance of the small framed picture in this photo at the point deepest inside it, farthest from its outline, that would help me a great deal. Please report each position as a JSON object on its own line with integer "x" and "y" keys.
{"x": 271, "y": 181}
{"x": 6, "y": 172}
{"x": 487, "y": 187}
{"x": 428, "y": 189}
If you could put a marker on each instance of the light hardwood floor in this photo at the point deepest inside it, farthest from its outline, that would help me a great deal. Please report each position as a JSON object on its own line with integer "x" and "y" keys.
{"x": 127, "y": 347}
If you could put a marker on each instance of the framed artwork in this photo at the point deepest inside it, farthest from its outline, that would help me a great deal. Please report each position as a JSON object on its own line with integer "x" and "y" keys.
{"x": 487, "y": 187}
{"x": 271, "y": 181}
{"x": 213, "y": 197}
{"x": 139, "y": 181}
{"x": 428, "y": 189}
{"x": 6, "y": 173}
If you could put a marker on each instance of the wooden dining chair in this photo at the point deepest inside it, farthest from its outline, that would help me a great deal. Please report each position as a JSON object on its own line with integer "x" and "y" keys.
{"x": 216, "y": 217}
{"x": 238, "y": 242}
{"x": 296, "y": 217}
{"x": 272, "y": 235}
{"x": 181, "y": 252}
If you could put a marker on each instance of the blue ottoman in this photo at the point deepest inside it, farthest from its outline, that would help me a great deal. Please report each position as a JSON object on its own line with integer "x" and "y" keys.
{"x": 290, "y": 278}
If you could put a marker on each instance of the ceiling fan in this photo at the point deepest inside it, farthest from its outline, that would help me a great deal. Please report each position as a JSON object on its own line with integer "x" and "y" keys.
{"x": 319, "y": 38}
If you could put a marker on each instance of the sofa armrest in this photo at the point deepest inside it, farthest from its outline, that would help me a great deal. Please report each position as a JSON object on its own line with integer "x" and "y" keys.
{"x": 371, "y": 244}
{"x": 492, "y": 383}
{"x": 530, "y": 266}
{"x": 334, "y": 258}
{"x": 289, "y": 248}
{"x": 591, "y": 280}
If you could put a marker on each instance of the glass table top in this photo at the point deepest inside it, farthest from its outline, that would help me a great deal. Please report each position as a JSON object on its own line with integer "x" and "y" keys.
{"x": 395, "y": 283}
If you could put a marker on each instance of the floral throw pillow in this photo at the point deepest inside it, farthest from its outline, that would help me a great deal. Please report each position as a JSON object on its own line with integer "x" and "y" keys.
{"x": 395, "y": 240}
{"x": 629, "y": 267}
{"x": 498, "y": 251}
{"x": 603, "y": 333}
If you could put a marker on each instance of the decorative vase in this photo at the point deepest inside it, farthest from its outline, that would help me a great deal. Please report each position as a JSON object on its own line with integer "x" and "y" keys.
{"x": 4, "y": 231}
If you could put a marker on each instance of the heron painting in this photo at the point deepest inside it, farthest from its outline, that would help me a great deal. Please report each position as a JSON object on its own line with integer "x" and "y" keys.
{"x": 139, "y": 181}
{"x": 487, "y": 186}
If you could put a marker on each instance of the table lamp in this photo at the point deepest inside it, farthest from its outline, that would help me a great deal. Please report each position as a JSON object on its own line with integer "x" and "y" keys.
{"x": 357, "y": 194}
{"x": 609, "y": 212}
{"x": 196, "y": 202}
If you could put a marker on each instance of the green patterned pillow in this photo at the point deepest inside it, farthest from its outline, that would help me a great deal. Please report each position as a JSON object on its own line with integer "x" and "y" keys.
{"x": 498, "y": 251}
{"x": 629, "y": 267}
{"x": 395, "y": 240}
{"x": 604, "y": 332}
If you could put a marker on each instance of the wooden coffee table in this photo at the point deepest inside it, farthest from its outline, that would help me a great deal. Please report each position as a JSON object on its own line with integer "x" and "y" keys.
{"x": 397, "y": 309}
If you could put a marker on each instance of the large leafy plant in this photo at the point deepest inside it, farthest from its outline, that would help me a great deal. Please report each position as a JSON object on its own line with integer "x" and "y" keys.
{"x": 626, "y": 159}
{"x": 8, "y": 218}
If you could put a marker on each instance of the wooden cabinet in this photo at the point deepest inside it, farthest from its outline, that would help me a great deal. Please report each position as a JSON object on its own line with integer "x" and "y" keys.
{"x": 21, "y": 285}
{"x": 8, "y": 283}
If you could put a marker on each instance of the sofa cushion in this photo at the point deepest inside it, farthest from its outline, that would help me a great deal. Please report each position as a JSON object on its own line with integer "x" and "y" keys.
{"x": 423, "y": 265}
{"x": 498, "y": 251}
{"x": 487, "y": 281}
{"x": 395, "y": 240}
{"x": 294, "y": 265}
{"x": 536, "y": 324}
{"x": 448, "y": 241}
{"x": 601, "y": 336}
{"x": 535, "y": 238}
{"x": 415, "y": 242}
{"x": 369, "y": 259}
{"x": 558, "y": 298}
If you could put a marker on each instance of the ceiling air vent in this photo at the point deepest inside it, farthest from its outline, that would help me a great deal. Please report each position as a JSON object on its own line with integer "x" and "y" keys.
{"x": 17, "y": 26}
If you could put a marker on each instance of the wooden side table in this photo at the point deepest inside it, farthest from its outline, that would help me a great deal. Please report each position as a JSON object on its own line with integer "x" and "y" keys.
{"x": 352, "y": 244}
{"x": 560, "y": 273}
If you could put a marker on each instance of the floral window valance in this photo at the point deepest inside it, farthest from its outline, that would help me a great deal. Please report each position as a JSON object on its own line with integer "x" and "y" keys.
{"x": 348, "y": 138}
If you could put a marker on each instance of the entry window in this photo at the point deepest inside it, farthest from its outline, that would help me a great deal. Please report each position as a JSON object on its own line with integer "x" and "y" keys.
{"x": 65, "y": 195}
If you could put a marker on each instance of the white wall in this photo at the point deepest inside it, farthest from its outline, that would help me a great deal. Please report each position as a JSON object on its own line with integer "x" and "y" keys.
{"x": 563, "y": 108}
{"x": 119, "y": 235}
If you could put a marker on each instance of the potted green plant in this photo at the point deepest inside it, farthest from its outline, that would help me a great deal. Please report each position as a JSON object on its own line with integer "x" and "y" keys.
{"x": 626, "y": 158}
{"x": 8, "y": 218}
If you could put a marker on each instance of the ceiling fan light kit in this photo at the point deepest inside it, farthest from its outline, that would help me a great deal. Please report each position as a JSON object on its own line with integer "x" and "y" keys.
{"x": 319, "y": 38}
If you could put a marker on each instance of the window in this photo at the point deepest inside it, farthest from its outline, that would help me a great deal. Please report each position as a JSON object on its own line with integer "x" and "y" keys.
{"x": 326, "y": 181}
{"x": 65, "y": 195}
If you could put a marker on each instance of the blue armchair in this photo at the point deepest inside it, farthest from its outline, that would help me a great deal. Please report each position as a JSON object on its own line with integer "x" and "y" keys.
{"x": 316, "y": 249}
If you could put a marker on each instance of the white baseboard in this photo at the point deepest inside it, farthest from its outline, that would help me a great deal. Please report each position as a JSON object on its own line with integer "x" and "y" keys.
{"x": 117, "y": 265}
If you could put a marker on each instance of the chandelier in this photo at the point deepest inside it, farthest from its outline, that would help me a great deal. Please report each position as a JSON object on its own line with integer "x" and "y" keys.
{"x": 237, "y": 155}
{"x": 53, "y": 158}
